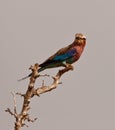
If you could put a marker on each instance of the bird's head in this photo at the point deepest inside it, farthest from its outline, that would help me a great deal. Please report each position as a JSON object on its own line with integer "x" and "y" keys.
{"x": 80, "y": 39}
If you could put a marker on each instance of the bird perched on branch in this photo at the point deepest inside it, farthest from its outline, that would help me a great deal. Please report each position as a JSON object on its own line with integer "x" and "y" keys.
{"x": 65, "y": 56}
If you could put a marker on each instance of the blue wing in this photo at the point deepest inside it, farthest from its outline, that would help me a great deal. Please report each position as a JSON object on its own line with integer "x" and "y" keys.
{"x": 60, "y": 56}
{"x": 66, "y": 55}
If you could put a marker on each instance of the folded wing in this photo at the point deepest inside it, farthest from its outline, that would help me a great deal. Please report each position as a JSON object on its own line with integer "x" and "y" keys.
{"x": 60, "y": 56}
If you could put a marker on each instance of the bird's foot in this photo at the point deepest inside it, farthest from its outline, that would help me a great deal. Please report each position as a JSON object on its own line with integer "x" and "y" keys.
{"x": 69, "y": 66}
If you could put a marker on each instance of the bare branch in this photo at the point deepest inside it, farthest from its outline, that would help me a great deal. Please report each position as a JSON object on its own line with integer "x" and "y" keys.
{"x": 32, "y": 120}
{"x": 31, "y": 91}
{"x": 56, "y": 81}
{"x": 9, "y": 111}
{"x": 15, "y": 112}
{"x": 22, "y": 95}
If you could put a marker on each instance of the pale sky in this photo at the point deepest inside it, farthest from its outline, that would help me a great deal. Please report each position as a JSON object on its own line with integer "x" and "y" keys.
{"x": 31, "y": 31}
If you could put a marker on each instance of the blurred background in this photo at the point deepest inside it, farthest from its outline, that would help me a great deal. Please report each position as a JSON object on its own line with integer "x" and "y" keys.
{"x": 31, "y": 31}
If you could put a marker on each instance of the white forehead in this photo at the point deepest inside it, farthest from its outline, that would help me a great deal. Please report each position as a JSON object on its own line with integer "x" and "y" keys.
{"x": 80, "y": 35}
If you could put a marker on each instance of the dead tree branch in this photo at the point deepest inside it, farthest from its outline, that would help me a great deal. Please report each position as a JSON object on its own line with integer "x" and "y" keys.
{"x": 55, "y": 83}
{"x": 31, "y": 91}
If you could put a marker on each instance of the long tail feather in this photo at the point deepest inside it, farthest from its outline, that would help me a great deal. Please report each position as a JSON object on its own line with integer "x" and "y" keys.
{"x": 41, "y": 69}
{"x": 25, "y": 77}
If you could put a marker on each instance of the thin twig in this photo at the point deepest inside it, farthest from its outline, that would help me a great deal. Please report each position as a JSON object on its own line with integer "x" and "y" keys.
{"x": 14, "y": 98}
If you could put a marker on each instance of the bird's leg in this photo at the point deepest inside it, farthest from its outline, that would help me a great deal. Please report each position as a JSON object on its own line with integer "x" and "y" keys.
{"x": 67, "y": 68}
{"x": 66, "y": 65}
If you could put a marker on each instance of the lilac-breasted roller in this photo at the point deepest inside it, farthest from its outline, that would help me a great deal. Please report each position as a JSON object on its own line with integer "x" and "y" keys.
{"x": 66, "y": 55}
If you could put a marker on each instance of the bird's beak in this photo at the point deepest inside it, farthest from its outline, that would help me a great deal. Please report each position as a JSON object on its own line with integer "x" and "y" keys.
{"x": 84, "y": 38}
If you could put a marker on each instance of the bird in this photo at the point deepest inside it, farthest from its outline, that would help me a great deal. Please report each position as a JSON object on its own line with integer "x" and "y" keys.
{"x": 65, "y": 56}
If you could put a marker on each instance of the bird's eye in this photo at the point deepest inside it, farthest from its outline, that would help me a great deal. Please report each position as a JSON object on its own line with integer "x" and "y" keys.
{"x": 78, "y": 38}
